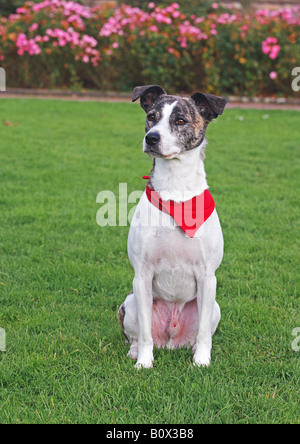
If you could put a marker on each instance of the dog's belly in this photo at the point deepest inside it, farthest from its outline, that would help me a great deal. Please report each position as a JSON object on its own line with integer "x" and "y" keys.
{"x": 175, "y": 284}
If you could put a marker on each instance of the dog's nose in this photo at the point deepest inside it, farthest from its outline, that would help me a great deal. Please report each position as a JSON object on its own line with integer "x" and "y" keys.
{"x": 152, "y": 139}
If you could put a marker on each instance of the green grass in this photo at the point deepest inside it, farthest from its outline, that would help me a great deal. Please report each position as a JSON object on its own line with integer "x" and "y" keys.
{"x": 63, "y": 277}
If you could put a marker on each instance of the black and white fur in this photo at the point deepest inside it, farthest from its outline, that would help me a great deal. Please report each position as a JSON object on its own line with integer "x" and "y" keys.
{"x": 174, "y": 274}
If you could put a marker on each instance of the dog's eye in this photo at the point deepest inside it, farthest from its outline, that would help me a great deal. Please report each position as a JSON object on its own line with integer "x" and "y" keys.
{"x": 180, "y": 122}
{"x": 151, "y": 117}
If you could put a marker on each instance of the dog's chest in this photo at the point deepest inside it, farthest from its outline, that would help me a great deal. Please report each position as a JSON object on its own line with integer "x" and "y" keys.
{"x": 174, "y": 259}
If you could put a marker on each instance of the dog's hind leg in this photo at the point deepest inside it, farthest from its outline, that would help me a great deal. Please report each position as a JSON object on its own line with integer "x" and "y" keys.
{"x": 128, "y": 320}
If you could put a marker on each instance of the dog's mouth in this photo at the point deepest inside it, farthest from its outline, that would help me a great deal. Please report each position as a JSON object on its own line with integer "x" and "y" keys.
{"x": 153, "y": 153}
{"x": 170, "y": 156}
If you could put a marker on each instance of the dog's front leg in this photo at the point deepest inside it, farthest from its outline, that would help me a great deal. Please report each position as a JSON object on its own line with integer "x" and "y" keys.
{"x": 206, "y": 296}
{"x": 142, "y": 287}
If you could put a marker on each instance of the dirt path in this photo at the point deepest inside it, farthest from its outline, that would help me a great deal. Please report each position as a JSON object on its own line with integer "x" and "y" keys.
{"x": 84, "y": 96}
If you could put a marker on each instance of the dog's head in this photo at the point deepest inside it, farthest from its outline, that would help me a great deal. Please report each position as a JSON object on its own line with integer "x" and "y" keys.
{"x": 175, "y": 124}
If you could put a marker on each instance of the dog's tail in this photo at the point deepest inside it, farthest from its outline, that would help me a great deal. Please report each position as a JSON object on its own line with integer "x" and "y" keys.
{"x": 121, "y": 316}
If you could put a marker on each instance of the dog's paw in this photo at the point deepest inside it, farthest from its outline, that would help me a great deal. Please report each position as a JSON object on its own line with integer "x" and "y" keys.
{"x": 201, "y": 360}
{"x": 144, "y": 363}
{"x": 133, "y": 353}
{"x": 139, "y": 365}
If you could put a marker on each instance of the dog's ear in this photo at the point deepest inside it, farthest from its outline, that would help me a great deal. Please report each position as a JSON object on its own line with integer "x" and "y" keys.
{"x": 209, "y": 106}
{"x": 148, "y": 94}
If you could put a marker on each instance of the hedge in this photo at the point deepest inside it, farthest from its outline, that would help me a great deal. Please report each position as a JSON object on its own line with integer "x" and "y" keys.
{"x": 63, "y": 44}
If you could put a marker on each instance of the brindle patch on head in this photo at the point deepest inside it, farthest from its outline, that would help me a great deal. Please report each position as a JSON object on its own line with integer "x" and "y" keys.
{"x": 157, "y": 111}
{"x": 179, "y": 124}
{"x": 191, "y": 134}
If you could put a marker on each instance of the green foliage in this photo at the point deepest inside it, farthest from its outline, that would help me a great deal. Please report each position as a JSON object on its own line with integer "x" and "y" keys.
{"x": 218, "y": 50}
{"x": 197, "y": 7}
{"x": 9, "y": 7}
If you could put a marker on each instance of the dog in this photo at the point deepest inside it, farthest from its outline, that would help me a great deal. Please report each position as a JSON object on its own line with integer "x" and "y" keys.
{"x": 173, "y": 301}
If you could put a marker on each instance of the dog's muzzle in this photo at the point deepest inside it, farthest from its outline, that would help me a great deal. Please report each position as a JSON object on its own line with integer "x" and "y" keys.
{"x": 152, "y": 139}
{"x": 152, "y": 143}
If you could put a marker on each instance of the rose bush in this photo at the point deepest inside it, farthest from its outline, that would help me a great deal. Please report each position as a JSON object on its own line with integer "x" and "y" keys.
{"x": 58, "y": 43}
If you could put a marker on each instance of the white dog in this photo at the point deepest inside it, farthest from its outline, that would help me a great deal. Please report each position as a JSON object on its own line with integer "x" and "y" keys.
{"x": 175, "y": 242}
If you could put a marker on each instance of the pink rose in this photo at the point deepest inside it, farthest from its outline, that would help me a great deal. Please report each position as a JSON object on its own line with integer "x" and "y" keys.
{"x": 33, "y": 27}
{"x": 274, "y": 52}
{"x": 270, "y": 46}
{"x": 273, "y": 75}
{"x": 153, "y": 28}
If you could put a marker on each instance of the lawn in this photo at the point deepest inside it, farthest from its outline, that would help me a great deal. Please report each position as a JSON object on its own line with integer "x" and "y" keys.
{"x": 63, "y": 277}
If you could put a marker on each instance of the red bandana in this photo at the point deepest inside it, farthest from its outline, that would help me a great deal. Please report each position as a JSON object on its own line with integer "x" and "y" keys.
{"x": 189, "y": 215}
